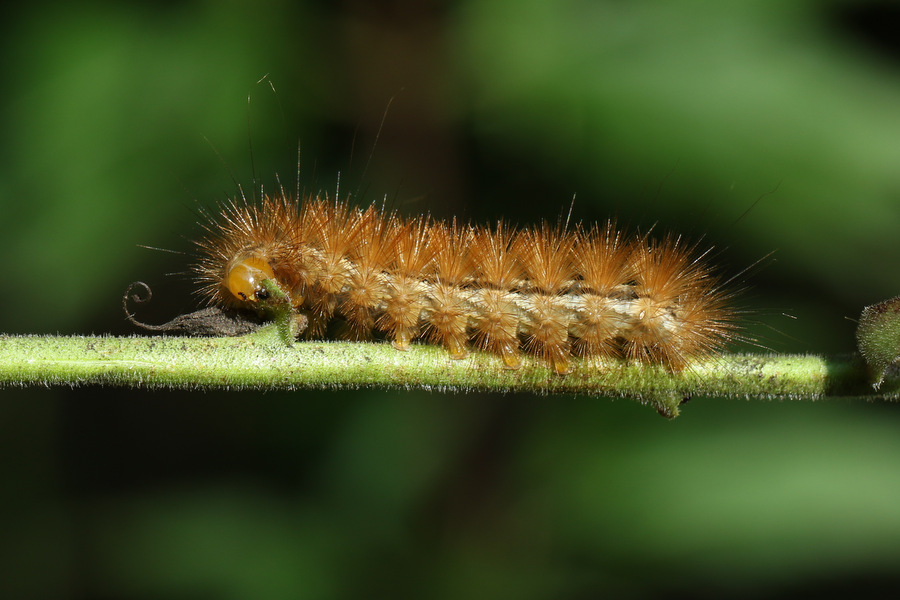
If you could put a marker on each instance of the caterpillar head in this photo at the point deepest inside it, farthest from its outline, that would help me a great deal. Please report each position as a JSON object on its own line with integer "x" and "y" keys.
{"x": 251, "y": 279}
{"x": 245, "y": 278}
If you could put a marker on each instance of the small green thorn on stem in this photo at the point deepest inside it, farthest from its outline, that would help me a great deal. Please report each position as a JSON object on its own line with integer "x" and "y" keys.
{"x": 666, "y": 404}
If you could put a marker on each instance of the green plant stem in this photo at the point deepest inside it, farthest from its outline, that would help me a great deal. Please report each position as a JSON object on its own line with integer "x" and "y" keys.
{"x": 263, "y": 361}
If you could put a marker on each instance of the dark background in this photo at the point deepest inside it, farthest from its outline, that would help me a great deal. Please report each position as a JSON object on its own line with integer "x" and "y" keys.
{"x": 761, "y": 126}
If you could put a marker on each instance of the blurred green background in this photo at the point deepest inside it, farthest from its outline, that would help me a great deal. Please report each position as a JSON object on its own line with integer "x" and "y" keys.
{"x": 121, "y": 120}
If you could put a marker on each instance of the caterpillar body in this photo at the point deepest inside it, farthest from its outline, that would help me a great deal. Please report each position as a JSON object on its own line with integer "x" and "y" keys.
{"x": 549, "y": 291}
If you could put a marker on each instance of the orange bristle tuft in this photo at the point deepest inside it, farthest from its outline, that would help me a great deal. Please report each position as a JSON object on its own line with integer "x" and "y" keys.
{"x": 495, "y": 318}
{"x": 603, "y": 260}
{"x": 406, "y": 299}
{"x": 671, "y": 284}
{"x": 447, "y": 316}
{"x": 494, "y": 261}
{"x": 546, "y": 257}
{"x": 333, "y": 229}
{"x": 368, "y": 283}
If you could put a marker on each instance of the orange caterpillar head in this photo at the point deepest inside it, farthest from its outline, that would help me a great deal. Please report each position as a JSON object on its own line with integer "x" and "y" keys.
{"x": 245, "y": 276}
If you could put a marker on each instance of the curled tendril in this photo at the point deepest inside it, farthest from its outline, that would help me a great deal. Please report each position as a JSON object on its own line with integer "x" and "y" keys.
{"x": 137, "y": 298}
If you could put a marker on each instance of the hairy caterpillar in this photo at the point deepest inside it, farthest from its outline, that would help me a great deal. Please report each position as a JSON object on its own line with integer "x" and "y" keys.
{"x": 549, "y": 291}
